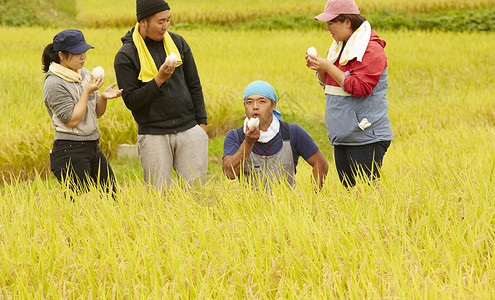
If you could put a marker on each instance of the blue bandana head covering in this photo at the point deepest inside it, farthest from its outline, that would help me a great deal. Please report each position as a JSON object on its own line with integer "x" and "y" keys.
{"x": 262, "y": 88}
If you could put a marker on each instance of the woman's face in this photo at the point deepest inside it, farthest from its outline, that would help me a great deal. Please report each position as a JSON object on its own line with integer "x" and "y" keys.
{"x": 341, "y": 31}
{"x": 72, "y": 61}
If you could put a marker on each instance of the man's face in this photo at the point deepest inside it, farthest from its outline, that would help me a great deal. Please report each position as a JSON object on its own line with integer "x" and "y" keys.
{"x": 157, "y": 25}
{"x": 261, "y": 107}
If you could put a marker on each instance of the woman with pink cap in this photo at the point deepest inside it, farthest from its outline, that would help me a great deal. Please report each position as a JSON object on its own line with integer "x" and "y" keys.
{"x": 354, "y": 77}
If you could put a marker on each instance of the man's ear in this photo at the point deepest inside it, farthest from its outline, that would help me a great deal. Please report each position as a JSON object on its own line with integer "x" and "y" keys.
{"x": 274, "y": 104}
{"x": 143, "y": 22}
{"x": 142, "y": 27}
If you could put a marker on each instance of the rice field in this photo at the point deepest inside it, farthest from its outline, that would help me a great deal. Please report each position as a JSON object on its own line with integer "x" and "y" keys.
{"x": 427, "y": 231}
{"x": 123, "y": 13}
{"x": 431, "y": 88}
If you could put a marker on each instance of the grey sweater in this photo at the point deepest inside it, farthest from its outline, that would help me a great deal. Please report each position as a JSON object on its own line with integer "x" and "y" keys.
{"x": 60, "y": 97}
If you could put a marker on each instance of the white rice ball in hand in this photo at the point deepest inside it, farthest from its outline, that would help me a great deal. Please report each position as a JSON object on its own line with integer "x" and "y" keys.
{"x": 253, "y": 123}
{"x": 312, "y": 51}
{"x": 98, "y": 72}
{"x": 171, "y": 59}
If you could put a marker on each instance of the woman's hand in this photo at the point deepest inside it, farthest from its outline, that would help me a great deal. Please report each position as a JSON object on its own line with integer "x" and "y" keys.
{"x": 94, "y": 85}
{"x": 323, "y": 66}
{"x": 110, "y": 93}
{"x": 318, "y": 63}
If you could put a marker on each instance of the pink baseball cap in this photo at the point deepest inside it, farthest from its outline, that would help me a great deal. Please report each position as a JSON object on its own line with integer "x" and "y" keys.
{"x": 334, "y": 8}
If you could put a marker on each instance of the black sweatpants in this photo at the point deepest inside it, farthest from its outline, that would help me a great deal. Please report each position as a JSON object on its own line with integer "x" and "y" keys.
{"x": 81, "y": 163}
{"x": 354, "y": 160}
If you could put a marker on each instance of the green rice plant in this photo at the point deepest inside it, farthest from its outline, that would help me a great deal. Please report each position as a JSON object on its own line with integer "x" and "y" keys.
{"x": 425, "y": 232}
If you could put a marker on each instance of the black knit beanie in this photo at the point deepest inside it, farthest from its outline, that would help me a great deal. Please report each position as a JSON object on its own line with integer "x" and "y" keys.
{"x": 145, "y": 8}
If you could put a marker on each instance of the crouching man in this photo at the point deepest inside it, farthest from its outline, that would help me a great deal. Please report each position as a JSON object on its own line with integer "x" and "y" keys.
{"x": 269, "y": 149}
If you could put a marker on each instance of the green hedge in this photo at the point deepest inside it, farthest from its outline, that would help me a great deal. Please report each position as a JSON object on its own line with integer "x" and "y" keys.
{"x": 37, "y": 12}
{"x": 471, "y": 20}
{"x": 63, "y": 12}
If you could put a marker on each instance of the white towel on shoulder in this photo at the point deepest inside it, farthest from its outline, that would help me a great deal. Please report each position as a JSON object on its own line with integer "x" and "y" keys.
{"x": 354, "y": 48}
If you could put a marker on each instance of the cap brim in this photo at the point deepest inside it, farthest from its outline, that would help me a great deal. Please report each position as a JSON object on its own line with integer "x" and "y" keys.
{"x": 325, "y": 17}
{"x": 80, "y": 49}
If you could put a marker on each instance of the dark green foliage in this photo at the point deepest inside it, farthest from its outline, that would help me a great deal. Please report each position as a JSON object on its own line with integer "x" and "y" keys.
{"x": 63, "y": 13}
{"x": 17, "y": 13}
{"x": 458, "y": 20}
{"x": 37, "y": 12}
{"x": 470, "y": 20}
{"x": 287, "y": 22}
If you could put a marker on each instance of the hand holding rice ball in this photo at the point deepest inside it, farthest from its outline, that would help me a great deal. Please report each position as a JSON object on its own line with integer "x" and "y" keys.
{"x": 171, "y": 59}
{"x": 312, "y": 51}
{"x": 253, "y": 123}
{"x": 98, "y": 72}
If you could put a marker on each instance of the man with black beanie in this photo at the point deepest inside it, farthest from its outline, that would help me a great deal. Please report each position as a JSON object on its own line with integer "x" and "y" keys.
{"x": 160, "y": 82}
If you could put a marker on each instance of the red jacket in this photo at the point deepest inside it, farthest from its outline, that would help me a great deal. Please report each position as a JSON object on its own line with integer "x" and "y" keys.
{"x": 363, "y": 75}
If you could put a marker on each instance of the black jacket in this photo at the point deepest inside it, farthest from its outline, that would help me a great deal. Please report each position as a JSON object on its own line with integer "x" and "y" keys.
{"x": 175, "y": 106}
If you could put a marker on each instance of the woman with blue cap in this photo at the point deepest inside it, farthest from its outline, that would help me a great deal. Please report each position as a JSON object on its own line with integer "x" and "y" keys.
{"x": 267, "y": 149}
{"x": 72, "y": 100}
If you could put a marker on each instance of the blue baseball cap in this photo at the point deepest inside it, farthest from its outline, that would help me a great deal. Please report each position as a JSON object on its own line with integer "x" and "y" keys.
{"x": 71, "y": 40}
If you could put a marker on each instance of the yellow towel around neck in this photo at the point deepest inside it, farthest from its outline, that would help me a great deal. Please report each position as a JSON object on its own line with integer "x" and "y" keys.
{"x": 148, "y": 67}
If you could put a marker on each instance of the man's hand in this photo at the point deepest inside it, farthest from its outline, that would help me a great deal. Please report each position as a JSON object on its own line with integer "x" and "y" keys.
{"x": 232, "y": 164}
{"x": 165, "y": 72}
{"x": 252, "y": 135}
{"x": 320, "y": 167}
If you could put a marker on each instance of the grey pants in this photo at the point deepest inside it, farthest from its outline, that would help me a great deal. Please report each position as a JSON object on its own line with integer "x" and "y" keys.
{"x": 186, "y": 152}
